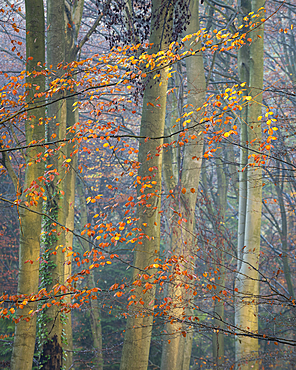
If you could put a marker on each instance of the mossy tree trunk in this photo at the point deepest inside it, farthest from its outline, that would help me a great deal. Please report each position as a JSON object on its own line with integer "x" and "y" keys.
{"x": 52, "y": 348}
{"x": 30, "y": 223}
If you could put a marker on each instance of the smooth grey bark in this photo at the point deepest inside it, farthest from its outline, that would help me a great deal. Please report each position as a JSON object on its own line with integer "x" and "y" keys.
{"x": 176, "y": 352}
{"x": 95, "y": 311}
{"x": 137, "y": 339}
{"x": 244, "y": 71}
{"x": 218, "y": 335}
{"x": 73, "y": 16}
{"x": 246, "y": 313}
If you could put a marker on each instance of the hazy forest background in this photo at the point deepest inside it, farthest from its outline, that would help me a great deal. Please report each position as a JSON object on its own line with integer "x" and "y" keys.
{"x": 148, "y": 184}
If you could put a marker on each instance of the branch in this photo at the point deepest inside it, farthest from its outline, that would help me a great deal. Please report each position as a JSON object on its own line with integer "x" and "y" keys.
{"x": 12, "y": 55}
{"x": 94, "y": 26}
{"x": 15, "y": 9}
{"x": 94, "y": 245}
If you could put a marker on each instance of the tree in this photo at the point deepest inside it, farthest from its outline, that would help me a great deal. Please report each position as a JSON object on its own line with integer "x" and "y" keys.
{"x": 52, "y": 351}
{"x": 246, "y": 315}
{"x": 24, "y": 339}
{"x": 139, "y": 325}
{"x": 177, "y": 350}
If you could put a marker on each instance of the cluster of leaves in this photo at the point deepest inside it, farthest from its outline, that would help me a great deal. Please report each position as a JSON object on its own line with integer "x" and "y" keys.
{"x": 105, "y": 89}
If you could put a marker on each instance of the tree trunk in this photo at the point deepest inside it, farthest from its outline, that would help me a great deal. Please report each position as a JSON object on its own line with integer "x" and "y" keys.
{"x": 137, "y": 339}
{"x": 95, "y": 311}
{"x": 176, "y": 352}
{"x": 96, "y": 327}
{"x": 52, "y": 352}
{"x": 73, "y": 16}
{"x": 69, "y": 188}
{"x": 30, "y": 223}
{"x": 244, "y": 70}
{"x": 218, "y": 335}
{"x": 246, "y": 315}
{"x": 284, "y": 240}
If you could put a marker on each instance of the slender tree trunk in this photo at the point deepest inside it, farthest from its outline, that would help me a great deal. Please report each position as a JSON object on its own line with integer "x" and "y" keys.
{"x": 30, "y": 223}
{"x": 70, "y": 179}
{"x": 218, "y": 335}
{"x": 244, "y": 70}
{"x": 246, "y": 315}
{"x": 139, "y": 325}
{"x": 95, "y": 312}
{"x": 176, "y": 352}
{"x": 96, "y": 327}
{"x": 73, "y": 15}
{"x": 284, "y": 230}
{"x": 284, "y": 240}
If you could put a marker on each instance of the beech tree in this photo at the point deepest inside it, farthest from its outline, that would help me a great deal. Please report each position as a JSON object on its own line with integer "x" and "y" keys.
{"x": 177, "y": 350}
{"x": 136, "y": 346}
{"x": 28, "y": 279}
{"x": 182, "y": 150}
{"x": 248, "y": 256}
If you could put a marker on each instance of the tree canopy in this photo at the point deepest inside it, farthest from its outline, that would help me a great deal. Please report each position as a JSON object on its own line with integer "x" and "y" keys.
{"x": 148, "y": 186}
